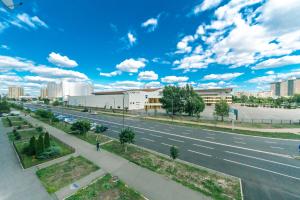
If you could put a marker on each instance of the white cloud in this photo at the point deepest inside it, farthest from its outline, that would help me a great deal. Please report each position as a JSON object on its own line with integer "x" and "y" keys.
{"x": 131, "y": 38}
{"x": 150, "y": 24}
{"x": 174, "y": 79}
{"x": 39, "y": 79}
{"x": 206, "y": 5}
{"x": 5, "y": 77}
{"x": 191, "y": 62}
{"x": 270, "y": 72}
{"x": 278, "y": 62}
{"x": 148, "y": 76}
{"x": 32, "y": 22}
{"x": 226, "y": 76}
{"x": 262, "y": 80}
{"x": 120, "y": 85}
{"x": 3, "y": 46}
{"x": 183, "y": 45}
{"x": 8, "y": 63}
{"x": 61, "y": 61}
{"x": 153, "y": 84}
{"x": 110, "y": 74}
{"x": 131, "y": 65}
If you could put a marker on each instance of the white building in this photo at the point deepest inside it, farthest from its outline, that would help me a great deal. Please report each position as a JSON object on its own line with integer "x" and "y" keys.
{"x": 44, "y": 93}
{"x": 65, "y": 89}
{"x": 133, "y": 99}
{"x": 15, "y": 92}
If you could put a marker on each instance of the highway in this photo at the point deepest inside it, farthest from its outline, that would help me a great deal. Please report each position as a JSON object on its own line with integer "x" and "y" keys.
{"x": 265, "y": 165}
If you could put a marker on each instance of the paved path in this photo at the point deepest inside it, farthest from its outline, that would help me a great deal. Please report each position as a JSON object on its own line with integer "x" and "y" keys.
{"x": 150, "y": 184}
{"x": 16, "y": 183}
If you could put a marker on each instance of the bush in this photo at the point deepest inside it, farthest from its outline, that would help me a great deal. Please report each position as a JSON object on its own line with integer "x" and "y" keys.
{"x": 19, "y": 127}
{"x": 31, "y": 148}
{"x": 40, "y": 146}
{"x": 81, "y": 127}
{"x": 55, "y": 120}
{"x": 49, "y": 153}
{"x": 100, "y": 129}
{"x": 174, "y": 152}
{"x": 44, "y": 114}
{"x": 39, "y": 129}
{"x": 17, "y": 135}
{"x": 126, "y": 136}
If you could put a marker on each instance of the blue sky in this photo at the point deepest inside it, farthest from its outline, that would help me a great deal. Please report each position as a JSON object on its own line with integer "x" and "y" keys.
{"x": 134, "y": 44}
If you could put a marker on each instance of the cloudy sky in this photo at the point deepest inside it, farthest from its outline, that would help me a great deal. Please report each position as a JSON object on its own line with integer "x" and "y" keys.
{"x": 116, "y": 44}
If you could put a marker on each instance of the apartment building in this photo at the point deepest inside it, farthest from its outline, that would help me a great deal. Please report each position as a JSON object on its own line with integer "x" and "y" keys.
{"x": 15, "y": 92}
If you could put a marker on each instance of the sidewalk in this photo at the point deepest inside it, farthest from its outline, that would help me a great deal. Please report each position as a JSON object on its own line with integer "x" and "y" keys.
{"x": 273, "y": 130}
{"x": 16, "y": 183}
{"x": 150, "y": 184}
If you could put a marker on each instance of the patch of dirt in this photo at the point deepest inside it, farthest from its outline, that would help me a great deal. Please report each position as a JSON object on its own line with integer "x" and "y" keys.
{"x": 109, "y": 195}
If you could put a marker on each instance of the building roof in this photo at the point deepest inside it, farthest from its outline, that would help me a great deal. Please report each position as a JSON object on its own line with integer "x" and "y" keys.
{"x": 123, "y": 91}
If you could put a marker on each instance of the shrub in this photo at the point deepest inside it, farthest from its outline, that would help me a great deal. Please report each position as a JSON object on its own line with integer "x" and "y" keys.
{"x": 39, "y": 129}
{"x": 174, "y": 152}
{"x": 49, "y": 153}
{"x": 17, "y": 135}
{"x": 100, "y": 129}
{"x": 31, "y": 148}
{"x": 81, "y": 126}
{"x": 19, "y": 127}
{"x": 126, "y": 136}
{"x": 55, "y": 119}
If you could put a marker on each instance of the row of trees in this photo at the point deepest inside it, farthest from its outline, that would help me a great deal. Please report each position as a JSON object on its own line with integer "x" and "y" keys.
{"x": 268, "y": 101}
{"x": 4, "y": 107}
{"x": 182, "y": 100}
{"x": 37, "y": 147}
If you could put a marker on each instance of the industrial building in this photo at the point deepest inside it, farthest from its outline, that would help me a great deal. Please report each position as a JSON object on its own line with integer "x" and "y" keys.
{"x": 286, "y": 88}
{"x": 15, "y": 92}
{"x": 135, "y": 99}
{"x": 65, "y": 89}
{"x": 212, "y": 96}
{"x": 141, "y": 99}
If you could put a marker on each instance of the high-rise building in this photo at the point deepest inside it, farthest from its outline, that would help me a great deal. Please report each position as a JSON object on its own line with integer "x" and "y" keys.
{"x": 64, "y": 89}
{"x": 286, "y": 88}
{"x": 15, "y": 92}
{"x": 44, "y": 93}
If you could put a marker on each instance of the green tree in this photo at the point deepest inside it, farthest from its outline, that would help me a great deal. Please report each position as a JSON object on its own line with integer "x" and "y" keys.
{"x": 126, "y": 136}
{"x": 40, "y": 146}
{"x": 39, "y": 129}
{"x": 82, "y": 126}
{"x": 222, "y": 109}
{"x": 296, "y": 98}
{"x": 44, "y": 114}
{"x": 46, "y": 101}
{"x": 173, "y": 99}
{"x": 194, "y": 104}
{"x": 32, "y": 146}
{"x": 56, "y": 103}
{"x": 174, "y": 152}
{"x": 47, "y": 140}
{"x": 4, "y": 107}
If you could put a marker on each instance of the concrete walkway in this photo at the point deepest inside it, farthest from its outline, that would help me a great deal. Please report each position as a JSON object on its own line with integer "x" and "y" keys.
{"x": 150, "y": 184}
{"x": 16, "y": 183}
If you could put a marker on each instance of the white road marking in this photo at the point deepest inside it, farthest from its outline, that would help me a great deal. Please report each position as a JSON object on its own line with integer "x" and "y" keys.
{"x": 266, "y": 170}
{"x": 148, "y": 139}
{"x": 199, "y": 145}
{"x": 166, "y": 144}
{"x": 115, "y": 131}
{"x": 238, "y": 142}
{"x": 189, "y": 130}
{"x": 185, "y": 133}
{"x": 277, "y": 147}
{"x": 139, "y": 131}
{"x": 175, "y": 140}
{"x": 196, "y": 139}
{"x": 270, "y": 142}
{"x": 211, "y": 133}
{"x": 155, "y": 135}
{"x": 211, "y": 138}
{"x": 262, "y": 159}
{"x": 203, "y": 154}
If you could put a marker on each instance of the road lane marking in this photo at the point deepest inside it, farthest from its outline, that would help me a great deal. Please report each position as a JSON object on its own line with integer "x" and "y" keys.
{"x": 199, "y": 145}
{"x": 211, "y": 138}
{"x": 185, "y": 133}
{"x": 203, "y": 154}
{"x": 166, "y": 144}
{"x": 277, "y": 148}
{"x": 195, "y": 139}
{"x": 238, "y": 142}
{"x": 115, "y": 131}
{"x": 155, "y": 135}
{"x": 259, "y": 168}
{"x": 139, "y": 131}
{"x": 175, "y": 140}
{"x": 262, "y": 159}
{"x": 148, "y": 139}
{"x": 238, "y": 138}
{"x": 211, "y": 133}
{"x": 189, "y": 130}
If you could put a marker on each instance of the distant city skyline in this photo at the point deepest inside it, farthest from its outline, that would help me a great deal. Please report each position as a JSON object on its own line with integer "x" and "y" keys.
{"x": 118, "y": 45}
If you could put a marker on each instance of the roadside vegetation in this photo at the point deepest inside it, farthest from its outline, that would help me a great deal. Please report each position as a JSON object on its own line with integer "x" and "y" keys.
{"x": 62, "y": 174}
{"x": 206, "y": 182}
{"x": 108, "y": 188}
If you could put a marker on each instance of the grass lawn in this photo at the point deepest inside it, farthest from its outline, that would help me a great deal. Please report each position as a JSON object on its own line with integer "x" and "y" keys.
{"x": 107, "y": 188}
{"x": 61, "y": 174}
{"x": 29, "y": 161}
{"x": 25, "y": 134}
{"x": 208, "y": 183}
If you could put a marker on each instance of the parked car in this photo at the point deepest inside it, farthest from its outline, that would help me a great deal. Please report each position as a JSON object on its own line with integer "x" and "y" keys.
{"x": 93, "y": 126}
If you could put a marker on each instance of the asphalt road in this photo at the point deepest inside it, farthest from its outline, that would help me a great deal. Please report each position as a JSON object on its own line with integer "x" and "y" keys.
{"x": 265, "y": 165}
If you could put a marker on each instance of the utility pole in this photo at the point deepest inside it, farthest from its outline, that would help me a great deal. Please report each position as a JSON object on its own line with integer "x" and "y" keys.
{"x": 123, "y": 111}
{"x": 172, "y": 108}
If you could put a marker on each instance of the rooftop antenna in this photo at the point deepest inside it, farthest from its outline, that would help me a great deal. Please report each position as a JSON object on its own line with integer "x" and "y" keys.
{"x": 10, "y": 4}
